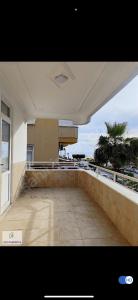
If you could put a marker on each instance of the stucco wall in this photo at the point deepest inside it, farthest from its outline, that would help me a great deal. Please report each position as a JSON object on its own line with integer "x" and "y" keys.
{"x": 19, "y": 129}
{"x": 19, "y": 148}
{"x": 51, "y": 178}
{"x": 44, "y": 136}
{"x": 18, "y": 171}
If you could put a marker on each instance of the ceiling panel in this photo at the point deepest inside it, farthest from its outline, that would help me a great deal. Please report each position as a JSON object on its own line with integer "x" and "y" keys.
{"x": 89, "y": 86}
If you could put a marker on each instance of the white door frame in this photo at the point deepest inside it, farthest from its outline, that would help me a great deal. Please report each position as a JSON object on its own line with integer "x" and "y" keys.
{"x": 9, "y": 121}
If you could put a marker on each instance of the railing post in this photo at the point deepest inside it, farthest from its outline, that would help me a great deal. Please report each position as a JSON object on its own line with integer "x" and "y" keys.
{"x": 97, "y": 170}
{"x": 114, "y": 177}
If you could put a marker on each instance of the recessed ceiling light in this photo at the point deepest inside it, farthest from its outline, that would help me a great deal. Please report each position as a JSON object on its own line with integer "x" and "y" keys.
{"x": 61, "y": 78}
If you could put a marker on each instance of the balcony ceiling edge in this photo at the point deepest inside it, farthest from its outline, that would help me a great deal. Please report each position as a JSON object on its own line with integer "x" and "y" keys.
{"x": 93, "y": 84}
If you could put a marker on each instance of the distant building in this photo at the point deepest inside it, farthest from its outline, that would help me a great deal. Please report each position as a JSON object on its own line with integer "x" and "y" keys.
{"x": 45, "y": 137}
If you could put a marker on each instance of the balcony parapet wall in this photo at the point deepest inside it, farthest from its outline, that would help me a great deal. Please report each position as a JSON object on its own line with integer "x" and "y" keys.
{"x": 119, "y": 203}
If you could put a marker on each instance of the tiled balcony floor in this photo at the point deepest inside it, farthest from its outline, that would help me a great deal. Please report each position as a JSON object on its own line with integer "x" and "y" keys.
{"x": 60, "y": 217}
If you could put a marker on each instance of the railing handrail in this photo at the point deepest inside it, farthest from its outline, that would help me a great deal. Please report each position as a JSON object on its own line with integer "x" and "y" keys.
{"x": 76, "y": 163}
{"x": 50, "y": 162}
{"x": 30, "y": 164}
{"x": 114, "y": 173}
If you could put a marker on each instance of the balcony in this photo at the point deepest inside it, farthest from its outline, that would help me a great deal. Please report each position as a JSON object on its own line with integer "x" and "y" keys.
{"x": 73, "y": 208}
{"x": 68, "y": 135}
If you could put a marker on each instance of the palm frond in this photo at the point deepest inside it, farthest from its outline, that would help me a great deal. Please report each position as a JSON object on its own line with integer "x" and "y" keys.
{"x": 116, "y": 129}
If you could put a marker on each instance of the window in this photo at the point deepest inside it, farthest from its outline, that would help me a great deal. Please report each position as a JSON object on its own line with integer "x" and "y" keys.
{"x": 30, "y": 152}
{"x": 5, "y": 109}
{"x": 5, "y": 146}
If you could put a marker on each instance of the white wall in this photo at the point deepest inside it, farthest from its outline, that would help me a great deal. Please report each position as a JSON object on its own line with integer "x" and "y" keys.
{"x": 19, "y": 136}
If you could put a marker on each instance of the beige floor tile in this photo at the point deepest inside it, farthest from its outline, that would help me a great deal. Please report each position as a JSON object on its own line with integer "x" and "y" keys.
{"x": 93, "y": 221}
{"x": 16, "y": 215}
{"x": 60, "y": 216}
{"x": 14, "y": 225}
{"x": 69, "y": 243}
{"x": 96, "y": 231}
{"x": 36, "y": 236}
{"x": 63, "y": 208}
{"x": 27, "y": 212}
{"x": 39, "y": 244}
{"x": 82, "y": 209}
{"x": 40, "y": 224}
{"x": 67, "y": 233}
{"x": 64, "y": 219}
{"x": 105, "y": 242}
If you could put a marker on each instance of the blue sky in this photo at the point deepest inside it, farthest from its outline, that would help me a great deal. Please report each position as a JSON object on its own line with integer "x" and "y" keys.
{"x": 121, "y": 108}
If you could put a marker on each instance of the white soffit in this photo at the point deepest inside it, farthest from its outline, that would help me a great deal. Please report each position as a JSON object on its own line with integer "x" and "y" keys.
{"x": 66, "y": 123}
{"x": 89, "y": 85}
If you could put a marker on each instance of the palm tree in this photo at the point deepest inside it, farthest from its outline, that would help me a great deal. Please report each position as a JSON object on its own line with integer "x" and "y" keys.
{"x": 103, "y": 141}
{"x": 133, "y": 149}
{"x": 101, "y": 154}
{"x": 115, "y": 132}
{"x": 114, "y": 148}
{"x": 110, "y": 147}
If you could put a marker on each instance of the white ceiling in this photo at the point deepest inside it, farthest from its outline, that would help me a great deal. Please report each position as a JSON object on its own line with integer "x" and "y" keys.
{"x": 90, "y": 85}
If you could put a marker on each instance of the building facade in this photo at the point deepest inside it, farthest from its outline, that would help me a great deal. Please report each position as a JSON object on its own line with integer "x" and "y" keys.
{"x": 45, "y": 137}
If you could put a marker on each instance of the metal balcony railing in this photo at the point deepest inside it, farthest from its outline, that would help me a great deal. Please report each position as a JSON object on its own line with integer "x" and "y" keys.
{"x": 37, "y": 165}
{"x": 128, "y": 181}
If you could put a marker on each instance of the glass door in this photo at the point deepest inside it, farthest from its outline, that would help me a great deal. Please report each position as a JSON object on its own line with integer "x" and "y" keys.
{"x": 5, "y": 157}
